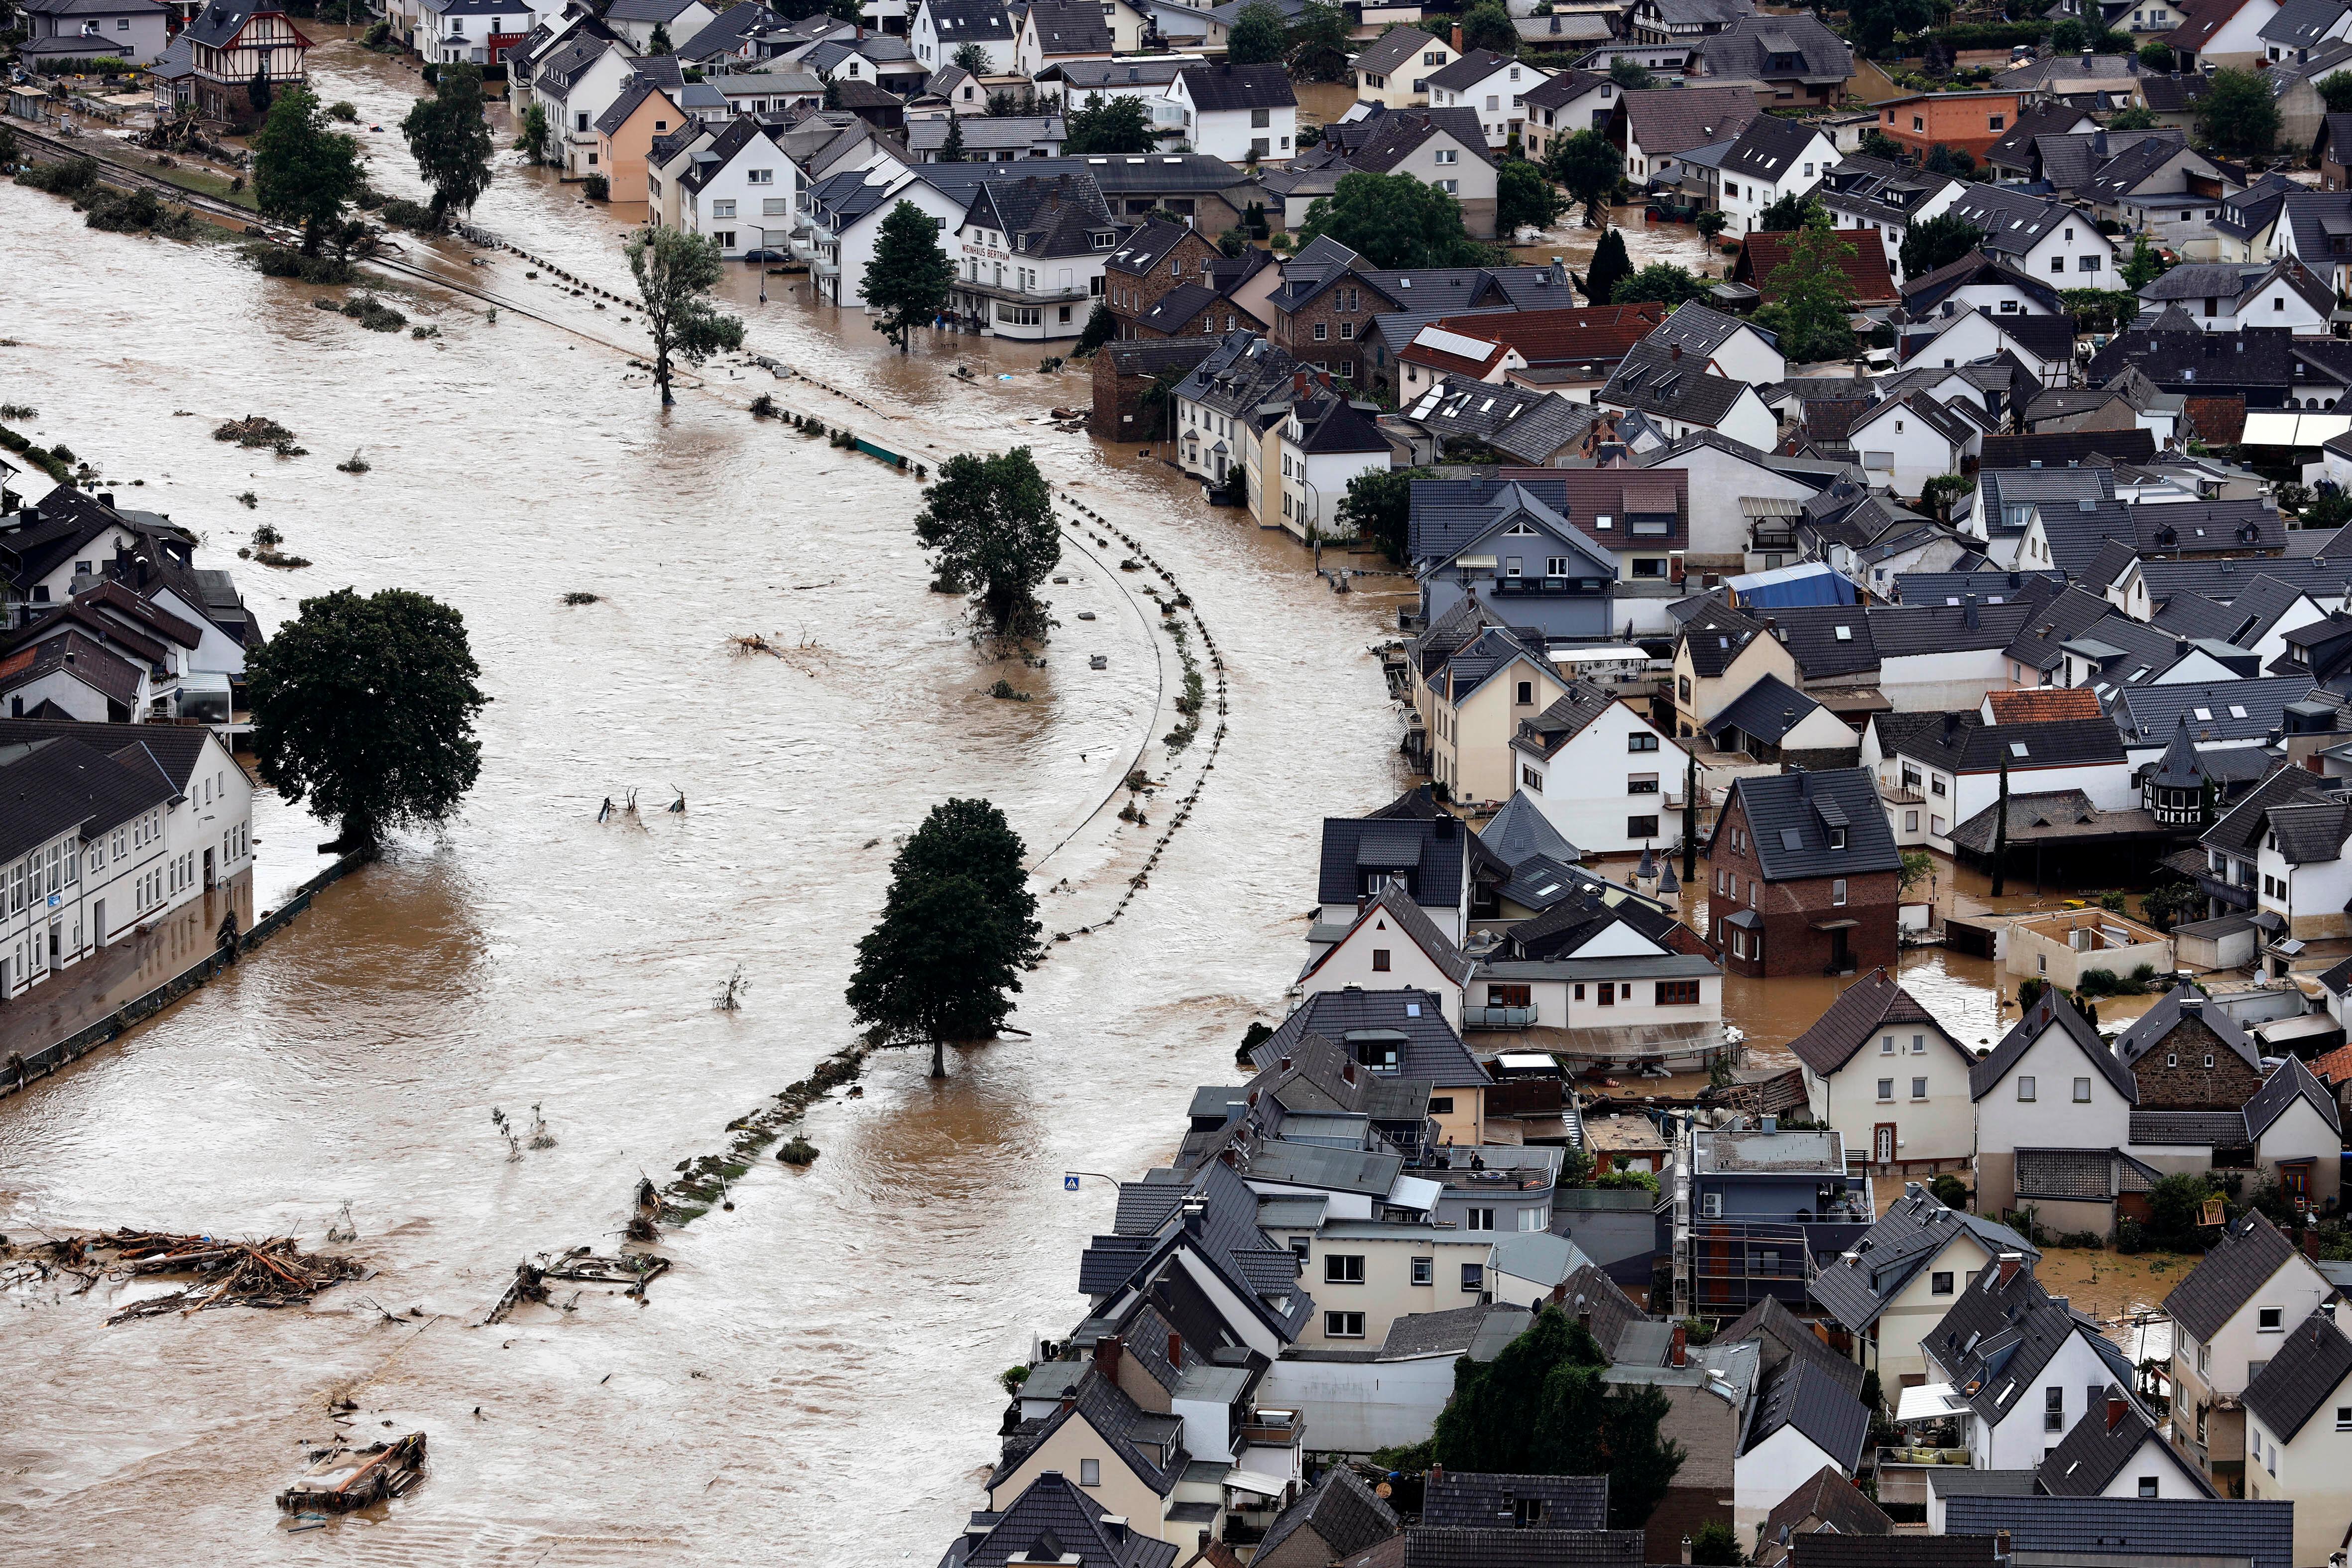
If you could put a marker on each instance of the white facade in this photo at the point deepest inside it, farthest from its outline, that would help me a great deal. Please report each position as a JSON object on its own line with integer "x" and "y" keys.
{"x": 1594, "y": 991}
{"x": 680, "y": 28}
{"x": 1378, "y": 954}
{"x": 2053, "y": 1097}
{"x": 2312, "y": 896}
{"x": 1743, "y": 197}
{"x": 2275, "y": 304}
{"x": 1899, "y": 448}
{"x": 2042, "y": 1413}
{"x": 1892, "y": 1345}
{"x": 1903, "y": 1097}
{"x": 446, "y": 38}
{"x": 1236, "y": 134}
{"x": 1617, "y": 767}
{"x": 1498, "y": 100}
{"x": 748, "y": 204}
{"x": 2238, "y": 41}
{"x": 937, "y": 52}
{"x": 1407, "y": 87}
{"x": 1966, "y": 339}
{"x": 2251, "y": 1336}
{"x": 1748, "y": 421}
{"x": 1763, "y": 1477}
{"x": 1313, "y": 484}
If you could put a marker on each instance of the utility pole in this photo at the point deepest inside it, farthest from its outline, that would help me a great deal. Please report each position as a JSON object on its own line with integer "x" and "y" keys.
{"x": 1690, "y": 818}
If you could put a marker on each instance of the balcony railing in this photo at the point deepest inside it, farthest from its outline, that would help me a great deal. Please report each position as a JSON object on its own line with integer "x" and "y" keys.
{"x": 1288, "y": 1433}
{"x": 1498, "y": 1018}
{"x": 1547, "y": 587}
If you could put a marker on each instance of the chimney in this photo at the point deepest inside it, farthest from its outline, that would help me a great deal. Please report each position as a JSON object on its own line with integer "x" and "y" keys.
{"x": 1175, "y": 1348}
{"x": 2311, "y": 1243}
{"x": 1686, "y": 1548}
{"x": 1069, "y": 1403}
{"x": 1195, "y": 1208}
{"x": 1458, "y": 37}
{"x": 2000, "y": 1548}
{"x": 1436, "y": 1473}
{"x": 1106, "y": 1357}
{"x": 1682, "y": 1345}
{"x": 1348, "y": 1072}
{"x": 1204, "y": 1543}
{"x": 1674, "y": 351}
{"x": 2193, "y": 1006}
{"x": 2116, "y": 1406}
{"x": 2009, "y": 1264}
{"x": 1286, "y": 1064}
{"x": 1968, "y": 612}
{"x": 106, "y": 500}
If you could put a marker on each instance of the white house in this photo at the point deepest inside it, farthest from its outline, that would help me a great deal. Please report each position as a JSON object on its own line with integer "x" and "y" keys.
{"x": 1239, "y": 113}
{"x": 462, "y": 32}
{"x": 743, "y": 193}
{"x": 2045, "y": 344}
{"x": 1770, "y": 158}
{"x": 1053, "y": 32}
{"x": 2041, "y": 237}
{"x": 2223, "y": 34}
{"x": 1391, "y": 946}
{"x": 941, "y": 28}
{"x": 1880, "y": 1070}
{"x": 2016, "y": 1369}
{"x": 168, "y": 831}
{"x": 2115, "y": 1451}
{"x": 1681, "y": 397}
{"x": 2299, "y": 1434}
{"x": 1394, "y": 71}
{"x": 1592, "y": 765}
{"x": 1326, "y": 441}
{"x": 1493, "y": 87}
{"x": 2225, "y": 296}
{"x": 1894, "y": 1284}
{"x": 2230, "y": 1319}
{"x": 678, "y": 20}
{"x": 1805, "y": 1421}
{"x": 1724, "y": 473}
{"x": 1906, "y": 440}
{"x": 1725, "y": 345}
{"x": 2303, "y": 874}
{"x": 1030, "y": 255}
{"x": 2052, "y": 1083}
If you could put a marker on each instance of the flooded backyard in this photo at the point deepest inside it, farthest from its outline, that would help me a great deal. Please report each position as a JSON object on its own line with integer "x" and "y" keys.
{"x": 814, "y": 1381}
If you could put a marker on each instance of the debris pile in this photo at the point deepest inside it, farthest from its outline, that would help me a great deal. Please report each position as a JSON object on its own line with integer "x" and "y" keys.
{"x": 270, "y": 1273}
{"x": 341, "y": 1478}
{"x": 253, "y": 430}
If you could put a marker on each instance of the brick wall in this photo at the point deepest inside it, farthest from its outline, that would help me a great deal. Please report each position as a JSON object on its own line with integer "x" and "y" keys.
{"x": 1123, "y": 373}
{"x": 1790, "y": 910}
{"x": 1132, "y": 293}
{"x": 1214, "y": 320}
{"x": 1344, "y": 313}
{"x": 2191, "y": 1086}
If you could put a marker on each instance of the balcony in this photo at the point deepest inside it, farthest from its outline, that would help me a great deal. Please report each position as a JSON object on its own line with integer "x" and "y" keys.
{"x": 1547, "y": 587}
{"x": 1498, "y": 1018}
{"x": 1275, "y": 1429}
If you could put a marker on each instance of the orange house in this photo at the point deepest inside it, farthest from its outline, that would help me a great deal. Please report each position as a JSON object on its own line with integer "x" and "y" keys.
{"x": 1966, "y": 122}
{"x": 625, "y": 132}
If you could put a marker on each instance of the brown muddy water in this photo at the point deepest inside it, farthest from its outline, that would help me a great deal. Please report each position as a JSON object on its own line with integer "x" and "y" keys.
{"x": 815, "y": 1380}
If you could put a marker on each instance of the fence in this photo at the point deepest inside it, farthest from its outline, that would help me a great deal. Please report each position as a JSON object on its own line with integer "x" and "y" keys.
{"x": 19, "y": 1070}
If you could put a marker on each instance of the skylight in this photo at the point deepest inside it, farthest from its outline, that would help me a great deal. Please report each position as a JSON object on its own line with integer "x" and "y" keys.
{"x": 2017, "y": 748}
{"x": 2202, "y": 713}
{"x": 2236, "y": 712}
{"x": 1845, "y": 634}
{"x": 1792, "y": 839}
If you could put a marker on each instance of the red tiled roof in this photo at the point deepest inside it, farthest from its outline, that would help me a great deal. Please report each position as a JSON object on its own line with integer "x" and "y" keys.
{"x": 18, "y": 661}
{"x": 2048, "y": 702}
{"x": 1761, "y": 255}
{"x": 2205, "y": 19}
{"x": 2336, "y": 1067}
{"x": 1564, "y": 336}
{"x": 2217, "y": 421}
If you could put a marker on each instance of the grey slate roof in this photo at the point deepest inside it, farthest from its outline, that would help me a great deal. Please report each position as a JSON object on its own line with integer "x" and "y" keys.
{"x": 1392, "y": 49}
{"x": 2250, "y": 1250}
{"x": 1150, "y": 1444}
{"x": 1767, "y": 711}
{"x": 2096, "y": 1450}
{"x": 960, "y": 21}
{"x": 1219, "y": 88}
{"x": 2125, "y": 1529}
{"x": 1871, "y": 1005}
{"x": 2051, "y": 1010}
{"x": 69, "y": 781}
{"x": 2149, "y": 1029}
{"x": 2216, "y": 710}
{"x": 1829, "y": 1498}
{"x": 1996, "y": 1339}
{"x": 2302, "y": 1376}
{"x": 1907, "y": 1239}
{"x": 1779, "y": 1335}
{"x": 1430, "y": 1049}
{"x": 2289, "y": 1082}
{"x": 1467, "y": 1499}
{"x": 1964, "y": 744}
{"x": 1394, "y": 906}
{"x": 1666, "y": 122}
{"x": 1787, "y": 821}
{"x": 1752, "y": 49}
{"x": 1339, "y": 1510}
{"x": 2187, "y": 1129}
{"x": 1428, "y": 1548}
{"x": 1054, "y": 1520}
{"x": 1520, "y": 831}
{"x": 1807, "y": 1396}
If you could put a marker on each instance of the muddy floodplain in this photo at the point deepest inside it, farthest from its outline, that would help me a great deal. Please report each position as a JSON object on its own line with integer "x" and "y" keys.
{"x": 814, "y": 1378}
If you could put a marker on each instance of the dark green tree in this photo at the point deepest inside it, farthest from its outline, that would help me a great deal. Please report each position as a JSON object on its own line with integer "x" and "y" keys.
{"x": 992, "y": 520}
{"x": 1710, "y": 224}
{"x": 1610, "y": 267}
{"x": 2237, "y": 114}
{"x": 1589, "y": 166}
{"x": 952, "y": 150}
{"x": 675, "y": 271}
{"x": 2069, "y": 37}
{"x": 1813, "y": 298}
{"x": 831, "y": 94}
{"x": 1318, "y": 44}
{"x": 1376, "y": 507}
{"x": 1789, "y": 213}
{"x": 1523, "y": 196}
{"x": 907, "y": 282}
{"x": 1938, "y": 242}
{"x": 1878, "y": 144}
{"x": 2158, "y": 56}
{"x": 2336, "y": 91}
{"x": 1631, "y": 75}
{"x": 1101, "y": 327}
{"x": 303, "y": 171}
{"x": 1871, "y": 25}
{"x": 1955, "y": 162}
{"x": 958, "y": 927}
{"x": 1662, "y": 281}
{"x": 1488, "y": 26}
{"x": 257, "y": 93}
{"x": 532, "y": 139}
{"x": 1949, "y": 1191}
{"x": 1713, "y": 1545}
{"x": 1108, "y": 125}
{"x": 659, "y": 42}
{"x": 2144, "y": 266}
{"x": 972, "y": 59}
{"x": 1393, "y": 221}
{"x": 364, "y": 708}
{"x": 2133, "y": 119}
{"x": 1258, "y": 37}
{"x": 451, "y": 141}
{"x": 2174, "y": 1210}
{"x": 1541, "y": 1408}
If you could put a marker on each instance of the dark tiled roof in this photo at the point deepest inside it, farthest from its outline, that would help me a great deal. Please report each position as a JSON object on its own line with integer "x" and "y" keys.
{"x": 1825, "y": 1550}
{"x": 1903, "y": 631}
{"x": 2095, "y": 1451}
{"x": 1668, "y": 120}
{"x": 1750, "y": 48}
{"x": 1808, "y": 1398}
{"x": 1467, "y": 1499}
{"x": 1393, "y": 904}
{"x": 1831, "y": 1500}
{"x": 1996, "y": 1338}
{"x": 967, "y": 21}
{"x": 72, "y": 778}
{"x": 1228, "y": 87}
{"x": 1907, "y": 1239}
{"x": 1965, "y": 743}
{"x": 2150, "y": 1028}
{"x": 1053, "y": 1521}
{"x": 1473, "y": 67}
{"x": 2093, "y": 1174}
{"x": 1428, "y": 1548}
{"x": 1340, "y": 1511}
{"x": 2250, "y": 1250}
{"x": 1391, "y": 49}
{"x": 2301, "y": 1376}
{"x": 1429, "y": 1050}
{"x": 1781, "y": 1335}
{"x": 1788, "y": 824}
{"x": 2189, "y": 1128}
{"x": 2049, "y": 1013}
{"x": 2289, "y": 1082}
{"x": 1767, "y": 711}
{"x": 2115, "y": 1530}
{"x": 1871, "y": 1003}
{"x": 1064, "y": 28}
{"x": 1650, "y": 379}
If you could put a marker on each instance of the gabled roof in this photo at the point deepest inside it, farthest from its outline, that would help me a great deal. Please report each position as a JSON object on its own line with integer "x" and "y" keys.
{"x": 1470, "y": 1499}
{"x": 1149, "y": 1443}
{"x": 1064, "y": 28}
{"x": 1340, "y": 1511}
{"x": 1393, "y": 905}
{"x": 2152, "y": 1028}
{"x": 633, "y": 96}
{"x": 1413, "y": 1021}
{"x": 960, "y": 22}
{"x": 1777, "y": 48}
{"x": 1428, "y": 1548}
{"x": 1870, "y": 1005}
{"x": 1650, "y": 379}
{"x": 1909, "y": 1236}
{"x": 1863, "y": 263}
{"x": 1803, "y": 1395}
{"x": 2301, "y": 1377}
{"x": 1996, "y": 1337}
{"x": 2289, "y": 1082}
{"x": 1767, "y": 711}
{"x": 2242, "y": 827}
{"x": 1432, "y": 849}
{"x": 1568, "y": 715}
{"x": 2095, "y": 1451}
{"x": 1664, "y": 122}
{"x": 1054, "y": 1520}
{"x": 2115, "y": 1530}
{"x": 2050, "y": 1012}
{"x": 1394, "y": 48}
{"x": 1789, "y": 817}
{"x": 2250, "y": 1250}
{"x": 1717, "y": 636}
{"x": 1829, "y": 1497}
{"x": 1781, "y": 1335}
{"x": 2204, "y": 18}
{"x": 1220, "y": 88}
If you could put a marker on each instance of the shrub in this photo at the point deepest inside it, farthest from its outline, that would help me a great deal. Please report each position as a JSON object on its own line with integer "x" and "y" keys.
{"x": 763, "y": 406}
{"x": 71, "y": 178}
{"x": 374, "y": 314}
{"x": 576, "y": 597}
{"x": 597, "y": 188}
{"x": 343, "y": 109}
{"x": 1006, "y": 691}
{"x": 1949, "y": 1191}
{"x": 276, "y": 261}
{"x": 410, "y": 215}
{"x": 2131, "y": 1237}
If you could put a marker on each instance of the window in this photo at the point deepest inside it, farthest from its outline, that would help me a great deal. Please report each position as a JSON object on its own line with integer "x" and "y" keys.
{"x": 1424, "y": 1270}
{"x": 1918, "y": 1045}
{"x": 1641, "y": 828}
{"x": 1322, "y": 331}
{"x": 1090, "y": 1470}
{"x": 1532, "y": 1219}
{"x": 2270, "y": 1320}
{"x": 2082, "y": 1092}
{"x": 2025, "y": 1088}
{"x": 2057, "y": 264}
{"x": 1643, "y": 741}
{"x": 1677, "y": 994}
{"x": 1343, "y": 1268}
{"x": 2344, "y": 1418}
{"x": 1380, "y": 961}
{"x": 2054, "y": 1409}
{"x": 1997, "y": 121}
{"x": 1531, "y": 779}
{"x": 1837, "y": 837}
{"x": 760, "y": 176}
{"x": 1607, "y": 997}
{"x": 1886, "y": 1045}
{"x": 722, "y": 210}
{"x": 1710, "y": 1206}
{"x": 1336, "y": 1326}
{"x": 1473, "y": 1276}
{"x": 1478, "y": 1220}
{"x": 1441, "y": 1104}
{"x": 1527, "y": 693}
{"x": 1886, "y": 1088}
{"x": 1641, "y": 784}
{"x": 1448, "y": 156}
{"x": 1941, "y": 1282}
{"x": 2148, "y": 1486}
{"x": 2086, "y": 264}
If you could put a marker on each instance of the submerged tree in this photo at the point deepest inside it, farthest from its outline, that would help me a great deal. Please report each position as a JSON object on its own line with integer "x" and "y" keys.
{"x": 958, "y": 927}
{"x": 1589, "y": 165}
{"x": 1377, "y": 505}
{"x": 907, "y": 281}
{"x": 366, "y": 708}
{"x": 304, "y": 171}
{"x": 992, "y": 520}
{"x": 1610, "y": 265}
{"x": 675, "y": 271}
{"x": 532, "y": 139}
{"x": 451, "y": 140}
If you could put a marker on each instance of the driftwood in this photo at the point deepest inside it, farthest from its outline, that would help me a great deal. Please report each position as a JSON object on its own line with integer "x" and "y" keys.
{"x": 269, "y": 1273}
{"x": 341, "y": 1478}
{"x": 526, "y": 1285}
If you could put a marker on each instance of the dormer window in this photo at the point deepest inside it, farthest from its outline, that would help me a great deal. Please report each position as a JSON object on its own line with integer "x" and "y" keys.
{"x": 1837, "y": 837}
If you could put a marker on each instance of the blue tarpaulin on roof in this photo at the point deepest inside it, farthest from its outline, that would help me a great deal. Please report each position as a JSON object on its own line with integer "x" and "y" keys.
{"x": 1815, "y": 584}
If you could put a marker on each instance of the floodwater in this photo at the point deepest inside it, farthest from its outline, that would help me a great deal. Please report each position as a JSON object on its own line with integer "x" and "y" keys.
{"x": 814, "y": 1381}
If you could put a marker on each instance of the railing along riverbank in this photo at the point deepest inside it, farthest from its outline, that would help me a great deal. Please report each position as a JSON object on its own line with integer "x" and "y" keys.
{"x": 20, "y": 1070}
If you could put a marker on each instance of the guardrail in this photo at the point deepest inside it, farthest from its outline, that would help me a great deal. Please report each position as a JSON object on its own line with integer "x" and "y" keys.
{"x": 19, "y": 1070}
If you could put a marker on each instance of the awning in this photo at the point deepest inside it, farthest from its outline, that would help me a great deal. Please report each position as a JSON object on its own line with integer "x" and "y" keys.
{"x": 1256, "y": 1481}
{"x": 1835, "y": 925}
{"x": 1927, "y": 1402}
{"x": 2283, "y": 1031}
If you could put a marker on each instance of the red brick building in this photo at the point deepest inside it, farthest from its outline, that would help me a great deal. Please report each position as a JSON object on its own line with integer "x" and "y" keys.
{"x": 1125, "y": 372}
{"x": 1803, "y": 875}
{"x": 1158, "y": 258}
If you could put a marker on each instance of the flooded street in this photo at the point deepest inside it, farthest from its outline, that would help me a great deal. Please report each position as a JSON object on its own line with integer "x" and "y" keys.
{"x": 814, "y": 1381}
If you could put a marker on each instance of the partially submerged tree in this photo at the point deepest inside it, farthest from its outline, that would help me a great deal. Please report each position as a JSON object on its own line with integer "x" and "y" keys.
{"x": 364, "y": 707}
{"x": 1610, "y": 265}
{"x": 992, "y": 520}
{"x": 1258, "y": 37}
{"x": 907, "y": 281}
{"x": 1524, "y": 198}
{"x": 304, "y": 171}
{"x": 1590, "y": 166}
{"x": 958, "y": 927}
{"x": 1317, "y": 44}
{"x": 451, "y": 140}
{"x": 533, "y": 139}
{"x": 1661, "y": 281}
{"x": 675, "y": 271}
{"x": 1377, "y": 505}
{"x": 1791, "y": 213}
